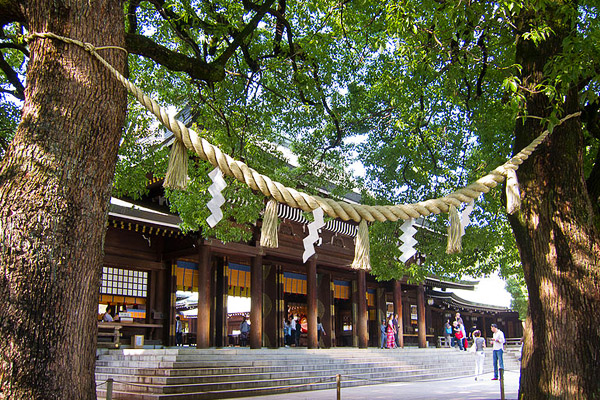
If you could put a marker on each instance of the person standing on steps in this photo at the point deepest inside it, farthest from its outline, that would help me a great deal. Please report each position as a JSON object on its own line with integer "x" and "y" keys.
{"x": 458, "y": 335}
{"x": 244, "y": 332}
{"x": 448, "y": 334}
{"x": 383, "y": 329}
{"x": 391, "y": 334}
{"x": 498, "y": 347}
{"x": 296, "y": 330}
{"x": 396, "y": 333}
{"x": 178, "y": 331}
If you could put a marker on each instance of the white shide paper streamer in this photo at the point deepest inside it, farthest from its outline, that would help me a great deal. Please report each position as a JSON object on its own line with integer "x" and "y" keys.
{"x": 313, "y": 234}
{"x": 407, "y": 248}
{"x": 464, "y": 217}
{"x": 214, "y": 205}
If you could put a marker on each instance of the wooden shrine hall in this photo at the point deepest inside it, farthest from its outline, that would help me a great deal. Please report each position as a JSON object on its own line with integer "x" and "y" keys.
{"x": 148, "y": 259}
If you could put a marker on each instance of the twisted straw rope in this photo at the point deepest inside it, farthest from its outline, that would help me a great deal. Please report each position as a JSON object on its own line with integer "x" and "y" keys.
{"x": 304, "y": 201}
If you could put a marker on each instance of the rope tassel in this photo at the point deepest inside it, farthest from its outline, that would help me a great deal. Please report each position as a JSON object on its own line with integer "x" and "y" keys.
{"x": 178, "y": 167}
{"x": 268, "y": 236}
{"x": 454, "y": 232}
{"x": 513, "y": 195}
{"x": 362, "y": 258}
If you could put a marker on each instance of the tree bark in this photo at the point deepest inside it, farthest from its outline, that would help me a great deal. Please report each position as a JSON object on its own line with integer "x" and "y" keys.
{"x": 55, "y": 185}
{"x": 558, "y": 242}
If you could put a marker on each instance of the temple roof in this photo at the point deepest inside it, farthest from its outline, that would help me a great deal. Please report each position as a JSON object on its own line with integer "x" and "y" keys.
{"x": 436, "y": 282}
{"x": 453, "y": 301}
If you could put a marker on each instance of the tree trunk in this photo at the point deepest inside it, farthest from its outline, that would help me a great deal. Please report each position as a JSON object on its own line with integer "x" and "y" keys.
{"x": 557, "y": 241}
{"x": 55, "y": 185}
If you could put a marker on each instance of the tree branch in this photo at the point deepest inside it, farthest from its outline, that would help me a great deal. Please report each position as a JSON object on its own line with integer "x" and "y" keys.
{"x": 241, "y": 36}
{"x": 11, "y": 11}
{"x": 15, "y": 46}
{"x": 279, "y": 26}
{"x": 131, "y": 15}
{"x": 194, "y": 67}
{"x": 13, "y": 78}
{"x": 178, "y": 26}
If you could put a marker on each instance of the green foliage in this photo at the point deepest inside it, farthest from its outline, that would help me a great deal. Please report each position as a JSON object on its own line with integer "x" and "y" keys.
{"x": 424, "y": 94}
{"x": 515, "y": 285}
{"x": 9, "y": 118}
{"x": 240, "y": 211}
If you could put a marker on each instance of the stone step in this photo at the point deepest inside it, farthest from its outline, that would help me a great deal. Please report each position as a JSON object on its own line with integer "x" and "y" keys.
{"x": 266, "y": 390}
{"x": 181, "y": 380}
{"x": 269, "y": 372}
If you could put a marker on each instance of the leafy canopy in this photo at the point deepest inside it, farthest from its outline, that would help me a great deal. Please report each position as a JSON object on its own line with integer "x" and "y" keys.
{"x": 423, "y": 93}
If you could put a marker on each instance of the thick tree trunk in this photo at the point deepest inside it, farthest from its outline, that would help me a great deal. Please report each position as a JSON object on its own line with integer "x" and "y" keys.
{"x": 559, "y": 245}
{"x": 55, "y": 184}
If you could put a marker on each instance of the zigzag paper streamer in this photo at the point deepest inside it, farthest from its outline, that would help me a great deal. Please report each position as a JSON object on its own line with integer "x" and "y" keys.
{"x": 313, "y": 234}
{"x": 464, "y": 217}
{"x": 214, "y": 205}
{"x": 407, "y": 248}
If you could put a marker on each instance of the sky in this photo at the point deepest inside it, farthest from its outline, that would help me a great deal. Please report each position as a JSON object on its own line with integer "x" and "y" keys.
{"x": 489, "y": 291}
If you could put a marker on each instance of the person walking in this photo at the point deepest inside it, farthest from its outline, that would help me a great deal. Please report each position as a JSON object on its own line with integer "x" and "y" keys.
{"x": 479, "y": 344}
{"x": 498, "y": 347}
{"x": 320, "y": 330}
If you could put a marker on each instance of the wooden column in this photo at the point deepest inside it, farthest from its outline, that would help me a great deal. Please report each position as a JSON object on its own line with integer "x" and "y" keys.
{"x": 324, "y": 307}
{"x": 204, "y": 297}
{"x": 172, "y": 291}
{"x": 380, "y": 301}
{"x": 363, "y": 318}
{"x": 311, "y": 296}
{"x": 421, "y": 316}
{"x": 399, "y": 310}
{"x": 256, "y": 305}
{"x": 220, "y": 301}
{"x": 272, "y": 314}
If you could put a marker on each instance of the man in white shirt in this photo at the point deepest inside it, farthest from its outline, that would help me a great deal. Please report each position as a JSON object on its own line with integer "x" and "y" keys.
{"x": 498, "y": 346}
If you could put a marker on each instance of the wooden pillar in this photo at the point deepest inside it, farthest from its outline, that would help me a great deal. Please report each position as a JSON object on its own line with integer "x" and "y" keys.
{"x": 272, "y": 307}
{"x": 421, "y": 317}
{"x": 220, "y": 301}
{"x": 332, "y": 320}
{"x": 363, "y": 318}
{"x": 398, "y": 309}
{"x": 172, "y": 291}
{"x": 311, "y": 296}
{"x": 204, "y": 297}
{"x": 324, "y": 307}
{"x": 256, "y": 305}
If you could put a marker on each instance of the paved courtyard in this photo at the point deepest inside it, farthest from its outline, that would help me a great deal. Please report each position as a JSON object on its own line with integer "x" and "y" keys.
{"x": 447, "y": 389}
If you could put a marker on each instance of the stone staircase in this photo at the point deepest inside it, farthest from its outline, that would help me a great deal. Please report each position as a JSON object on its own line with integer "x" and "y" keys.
{"x": 189, "y": 373}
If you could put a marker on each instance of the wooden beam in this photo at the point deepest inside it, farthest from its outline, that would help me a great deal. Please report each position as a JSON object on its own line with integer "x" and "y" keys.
{"x": 236, "y": 249}
{"x": 135, "y": 263}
